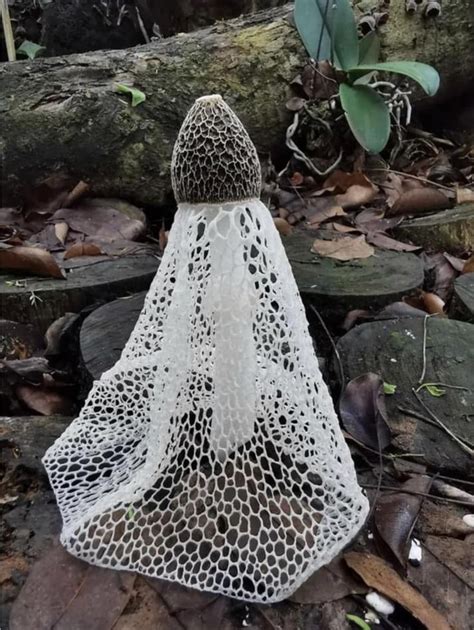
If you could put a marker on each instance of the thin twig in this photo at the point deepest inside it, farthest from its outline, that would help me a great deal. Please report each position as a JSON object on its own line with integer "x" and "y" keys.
{"x": 425, "y": 326}
{"x": 409, "y": 175}
{"x": 372, "y": 450}
{"x": 8, "y": 30}
{"x": 142, "y": 25}
{"x": 414, "y": 492}
{"x": 424, "y": 385}
{"x": 333, "y": 345}
{"x": 464, "y": 444}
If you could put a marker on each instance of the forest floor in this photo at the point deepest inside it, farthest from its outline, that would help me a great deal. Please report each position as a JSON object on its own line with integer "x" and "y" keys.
{"x": 382, "y": 252}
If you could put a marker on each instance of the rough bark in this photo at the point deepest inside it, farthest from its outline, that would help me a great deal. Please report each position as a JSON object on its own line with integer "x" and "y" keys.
{"x": 63, "y": 113}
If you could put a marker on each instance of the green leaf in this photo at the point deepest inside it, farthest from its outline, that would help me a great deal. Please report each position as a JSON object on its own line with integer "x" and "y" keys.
{"x": 369, "y": 48}
{"x": 358, "y": 622}
{"x": 328, "y": 31}
{"x": 434, "y": 390}
{"x": 345, "y": 38}
{"x": 367, "y": 115}
{"x": 423, "y": 74}
{"x": 30, "y": 49}
{"x": 389, "y": 389}
{"x": 137, "y": 95}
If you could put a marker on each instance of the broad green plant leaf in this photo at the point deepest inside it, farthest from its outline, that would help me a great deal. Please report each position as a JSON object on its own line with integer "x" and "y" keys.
{"x": 358, "y": 622}
{"x": 389, "y": 389}
{"x": 345, "y": 39}
{"x": 137, "y": 95}
{"x": 328, "y": 31}
{"x": 369, "y": 48}
{"x": 367, "y": 114}
{"x": 424, "y": 75}
{"x": 30, "y": 49}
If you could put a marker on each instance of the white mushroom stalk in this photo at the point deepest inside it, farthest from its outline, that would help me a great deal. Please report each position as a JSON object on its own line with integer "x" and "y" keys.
{"x": 210, "y": 454}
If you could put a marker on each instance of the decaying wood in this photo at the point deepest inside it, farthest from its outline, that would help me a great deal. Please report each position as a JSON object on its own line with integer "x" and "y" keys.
{"x": 451, "y": 230}
{"x": 101, "y": 340}
{"x": 40, "y": 301}
{"x": 63, "y": 113}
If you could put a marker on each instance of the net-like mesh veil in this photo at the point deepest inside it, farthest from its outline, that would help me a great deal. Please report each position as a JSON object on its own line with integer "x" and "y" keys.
{"x": 210, "y": 454}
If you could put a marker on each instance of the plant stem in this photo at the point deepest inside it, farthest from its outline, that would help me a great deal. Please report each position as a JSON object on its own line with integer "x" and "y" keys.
{"x": 8, "y": 30}
{"x": 464, "y": 444}
{"x": 420, "y": 494}
{"x": 423, "y": 385}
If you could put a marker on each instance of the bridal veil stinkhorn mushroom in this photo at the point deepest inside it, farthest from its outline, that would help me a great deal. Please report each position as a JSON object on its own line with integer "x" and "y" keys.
{"x": 210, "y": 454}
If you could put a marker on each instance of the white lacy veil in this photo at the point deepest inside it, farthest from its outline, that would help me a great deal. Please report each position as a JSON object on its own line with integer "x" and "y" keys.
{"x": 210, "y": 454}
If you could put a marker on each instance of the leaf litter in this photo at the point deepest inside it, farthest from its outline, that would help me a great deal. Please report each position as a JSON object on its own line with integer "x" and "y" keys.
{"x": 58, "y": 222}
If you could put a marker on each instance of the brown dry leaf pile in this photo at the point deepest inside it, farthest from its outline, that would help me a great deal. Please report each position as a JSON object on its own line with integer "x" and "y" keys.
{"x": 57, "y": 224}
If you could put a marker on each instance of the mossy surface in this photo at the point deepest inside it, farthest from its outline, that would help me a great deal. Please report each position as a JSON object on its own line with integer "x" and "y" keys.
{"x": 451, "y": 230}
{"x": 394, "y": 349}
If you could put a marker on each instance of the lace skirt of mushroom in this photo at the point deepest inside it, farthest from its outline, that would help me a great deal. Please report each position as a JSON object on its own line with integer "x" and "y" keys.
{"x": 210, "y": 454}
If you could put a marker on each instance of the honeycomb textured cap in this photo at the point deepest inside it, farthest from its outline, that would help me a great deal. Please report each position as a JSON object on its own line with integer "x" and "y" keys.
{"x": 214, "y": 159}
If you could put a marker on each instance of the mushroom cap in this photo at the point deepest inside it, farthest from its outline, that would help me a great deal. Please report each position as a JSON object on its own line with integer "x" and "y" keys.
{"x": 214, "y": 159}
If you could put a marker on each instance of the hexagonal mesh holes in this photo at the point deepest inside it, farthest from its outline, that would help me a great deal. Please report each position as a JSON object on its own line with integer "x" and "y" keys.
{"x": 210, "y": 454}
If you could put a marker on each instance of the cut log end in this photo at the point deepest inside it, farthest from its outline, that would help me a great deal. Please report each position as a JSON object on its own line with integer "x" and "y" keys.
{"x": 450, "y": 230}
{"x": 394, "y": 349}
{"x": 336, "y": 287}
{"x": 40, "y": 301}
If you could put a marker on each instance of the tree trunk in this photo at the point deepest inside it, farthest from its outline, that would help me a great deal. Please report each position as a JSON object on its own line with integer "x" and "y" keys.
{"x": 62, "y": 114}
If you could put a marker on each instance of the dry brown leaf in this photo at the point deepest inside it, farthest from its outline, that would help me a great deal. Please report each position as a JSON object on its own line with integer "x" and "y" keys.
{"x": 379, "y": 239}
{"x": 396, "y": 514}
{"x": 355, "y": 196}
{"x": 340, "y": 227}
{"x": 343, "y": 181}
{"x": 464, "y": 195}
{"x": 363, "y": 412}
{"x": 327, "y": 584}
{"x": 456, "y": 263}
{"x": 163, "y": 238}
{"x": 323, "y": 214}
{"x": 63, "y": 592}
{"x": 296, "y": 179}
{"x": 30, "y": 260}
{"x": 318, "y": 80}
{"x": 469, "y": 265}
{"x": 345, "y": 248}
{"x": 433, "y": 303}
{"x": 283, "y": 226}
{"x": 45, "y": 401}
{"x": 295, "y": 104}
{"x": 377, "y": 574}
{"x": 61, "y": 230}
{"x": 353, "y": 316}
{"x": 82, "y": 249}
{"x": 76, "y": 193}
{"x": 103, "y": 224}
{"x": 419, "y": 201}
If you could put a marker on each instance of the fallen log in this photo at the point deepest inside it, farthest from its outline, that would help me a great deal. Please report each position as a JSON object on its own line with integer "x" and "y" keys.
{"x": 63, "y": 114}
